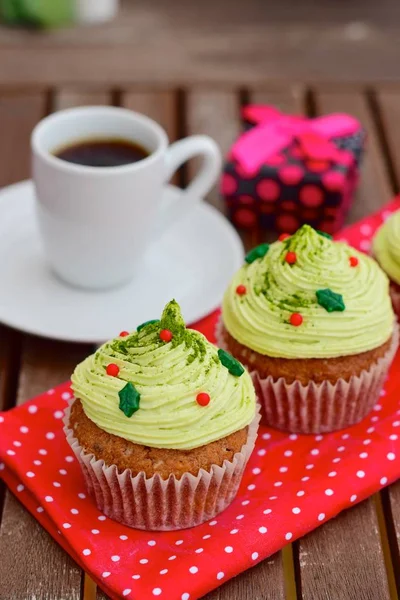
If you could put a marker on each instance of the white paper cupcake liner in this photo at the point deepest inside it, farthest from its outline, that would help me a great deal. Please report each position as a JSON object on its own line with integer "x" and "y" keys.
{"x": 157, "y": 504}
{"x": 323, "y": 407}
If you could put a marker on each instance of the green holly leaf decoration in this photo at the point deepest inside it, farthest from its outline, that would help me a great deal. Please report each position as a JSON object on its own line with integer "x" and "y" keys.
{"x": 257, "y": 252}
{"x": 234, "y": 367}
{"x": 140, "y": 327}
{"x": 326, "y": 235}
{"x": 330, "y": 300}
{"x": 129, "y": 399}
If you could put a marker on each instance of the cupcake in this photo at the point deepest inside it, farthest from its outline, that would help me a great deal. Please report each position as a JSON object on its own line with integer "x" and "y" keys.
{"x": 312, "y": 320}
{"x": 386, "y": 249}
{"x": 162, "y": 424}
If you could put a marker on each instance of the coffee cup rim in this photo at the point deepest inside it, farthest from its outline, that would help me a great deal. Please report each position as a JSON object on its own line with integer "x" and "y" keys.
{"x": 133, "y": 116}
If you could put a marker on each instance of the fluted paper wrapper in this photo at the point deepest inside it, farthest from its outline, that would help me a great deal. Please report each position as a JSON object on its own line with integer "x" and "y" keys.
{"x": 395, "y": 296}
{"x": 323, "y": 407}
{"x": 157, "y": 504}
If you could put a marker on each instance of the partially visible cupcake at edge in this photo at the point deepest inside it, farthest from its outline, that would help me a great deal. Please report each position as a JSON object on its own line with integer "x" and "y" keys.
{"x": 312, "y": 320}
{"x": 386, "y": 249}
{"x": 162, "y": 424}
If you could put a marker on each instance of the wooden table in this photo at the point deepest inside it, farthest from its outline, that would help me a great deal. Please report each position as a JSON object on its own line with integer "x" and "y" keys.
{"x": 195, "y": 83}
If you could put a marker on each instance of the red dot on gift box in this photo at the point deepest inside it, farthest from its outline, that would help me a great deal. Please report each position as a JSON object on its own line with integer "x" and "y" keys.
{"x": 268, "y": 190}
{"x": 288, "y": 205}
{"x": 228, "y": 184}
{"x": 287, "y": 223}
{"x": 246, "y": 200}
{"x": 317, "y": 165}
{"x": 291, "y": 174}
{"x": 311, "y": 195}
{"x": 331, "y": 211}
{"x": 244, "y": 217}
{"x": 333, "y": 181}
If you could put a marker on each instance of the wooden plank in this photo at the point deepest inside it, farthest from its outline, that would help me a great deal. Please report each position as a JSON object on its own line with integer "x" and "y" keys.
{"x": 174, "y": 42}
{"x": 51, "y": 573}
{"x": 374, "y": 188}
{"x": 69, "y": 97}
{"x": 262, "y": 582}
{"x": 160, "y": 105}
{"x": 213, "y": 113}
{"x": 389, "y": 105}
{"x": 19, "y": 113}
{"x": 291, "y": 100}
{"x": 343, "y": 559}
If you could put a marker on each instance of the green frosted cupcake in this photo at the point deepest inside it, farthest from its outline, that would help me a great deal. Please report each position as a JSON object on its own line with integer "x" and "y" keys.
{"x": 163, "y": 424}
{"x": 311, "y": 319}
{"x": 386, "y": 249}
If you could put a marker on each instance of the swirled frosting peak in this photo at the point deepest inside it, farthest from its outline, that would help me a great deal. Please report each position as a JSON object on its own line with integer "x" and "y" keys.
{"x": 386, "y": 246}
{"x": 162, "y": 367}
{"x": 309, "y": 297}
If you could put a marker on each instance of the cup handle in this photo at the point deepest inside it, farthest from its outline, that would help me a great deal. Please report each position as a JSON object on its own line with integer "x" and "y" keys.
{"x": 196, "y": 145}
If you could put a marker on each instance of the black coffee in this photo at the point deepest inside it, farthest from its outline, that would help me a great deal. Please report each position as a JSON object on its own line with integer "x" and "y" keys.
{"x": 102, "y": 153}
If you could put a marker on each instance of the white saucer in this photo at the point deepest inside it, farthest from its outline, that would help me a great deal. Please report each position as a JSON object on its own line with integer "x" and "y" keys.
{"x": 192, "y": 262}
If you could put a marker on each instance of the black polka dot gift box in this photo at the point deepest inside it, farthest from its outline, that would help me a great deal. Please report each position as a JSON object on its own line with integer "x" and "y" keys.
{"x": 285, "y": 170}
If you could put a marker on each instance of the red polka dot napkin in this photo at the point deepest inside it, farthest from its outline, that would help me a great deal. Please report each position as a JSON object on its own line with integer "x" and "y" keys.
{"x": 291, "y": 485}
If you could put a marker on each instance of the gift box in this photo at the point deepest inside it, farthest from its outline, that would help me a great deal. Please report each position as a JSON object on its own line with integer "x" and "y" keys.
{"x": 287, "y": 170}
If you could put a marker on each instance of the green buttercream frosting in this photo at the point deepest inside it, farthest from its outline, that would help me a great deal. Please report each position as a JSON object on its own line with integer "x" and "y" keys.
{"x": 386, "y": 246}
{"x": 168, "y": 377}
{"x": 260, "y": 319}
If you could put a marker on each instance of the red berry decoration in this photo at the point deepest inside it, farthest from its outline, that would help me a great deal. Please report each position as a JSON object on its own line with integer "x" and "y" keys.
{"x": 353, "y": 260}
{"x": 241, "y": 290}
{"x": 283, "y": 237}
{"x": 112, "y": 369}
{"x": 296, "y": 319}
{"x": 291, "y": 258}
{"x": 203, "y": 399}
{"x": 166, "y": 335}
{"x": 124, "y": 333}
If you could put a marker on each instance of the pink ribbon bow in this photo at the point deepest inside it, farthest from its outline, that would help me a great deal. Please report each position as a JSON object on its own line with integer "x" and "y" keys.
{"x": 277, "y": 131}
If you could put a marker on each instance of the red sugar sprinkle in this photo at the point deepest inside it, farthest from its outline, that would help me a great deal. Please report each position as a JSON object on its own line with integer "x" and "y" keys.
{"x": 112, "y": 369}
{"x": 283, "y": 236}
{"x": 353, "y": 260}
{"x": 296, "y": 319}
{"x": 166, "y": 335}
{"x": 241, "y": 290}
{"x": 203, "y": 399}
{"x": 124, "y": 333}
{"x": 291, "y": 258}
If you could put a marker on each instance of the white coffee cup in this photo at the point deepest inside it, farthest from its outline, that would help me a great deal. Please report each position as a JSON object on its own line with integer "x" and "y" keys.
{"x": 96, "y": 222}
